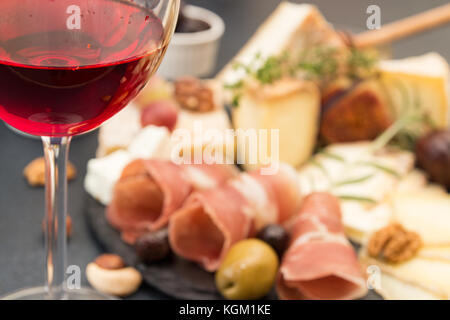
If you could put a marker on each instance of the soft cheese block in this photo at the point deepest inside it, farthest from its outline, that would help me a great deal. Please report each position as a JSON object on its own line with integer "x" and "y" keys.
{"x": 103, "y": 173}
{"x": 421, "y": 81}
{"x": 151, "y": 142}
{"x": 291, "y": 108}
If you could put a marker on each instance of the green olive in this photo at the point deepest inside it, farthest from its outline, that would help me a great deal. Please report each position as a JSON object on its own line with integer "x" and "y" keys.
{"x": 248, "y": 270}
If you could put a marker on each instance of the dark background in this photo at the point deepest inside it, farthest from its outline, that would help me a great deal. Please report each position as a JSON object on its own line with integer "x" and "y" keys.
{"x": 21, "y": 207}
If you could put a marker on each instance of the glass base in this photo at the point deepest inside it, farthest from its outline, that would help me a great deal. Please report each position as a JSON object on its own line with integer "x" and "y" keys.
{"x": 40, "y": 293}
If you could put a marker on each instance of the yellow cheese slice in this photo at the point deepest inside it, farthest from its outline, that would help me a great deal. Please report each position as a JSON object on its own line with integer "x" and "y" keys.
{"x": 428, "y": 214}
{"x": 416, "y": 279}
{"x": 392, "y": 288}
{"x": 435, "y": 252}
{"x": 422, "y": 80}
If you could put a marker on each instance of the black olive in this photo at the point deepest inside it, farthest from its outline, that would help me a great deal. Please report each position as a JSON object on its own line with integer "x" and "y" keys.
{"x": 276, "y": 236}
{"x": 153, "y": 246}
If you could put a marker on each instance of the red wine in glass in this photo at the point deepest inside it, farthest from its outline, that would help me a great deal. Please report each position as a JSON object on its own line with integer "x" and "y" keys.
{"x": 64, "y": 70}
{"x": 66, "y": 66}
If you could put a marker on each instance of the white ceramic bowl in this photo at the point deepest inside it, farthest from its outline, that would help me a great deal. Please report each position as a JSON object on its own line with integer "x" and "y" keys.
{"x": 195, "y": 53}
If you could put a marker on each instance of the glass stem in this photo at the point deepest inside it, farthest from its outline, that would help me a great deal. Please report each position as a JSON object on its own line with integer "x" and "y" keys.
{"x": 56, "y": 151}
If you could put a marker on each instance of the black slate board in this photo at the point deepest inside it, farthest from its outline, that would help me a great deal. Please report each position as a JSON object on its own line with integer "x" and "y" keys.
{"x": 174, "y": 276}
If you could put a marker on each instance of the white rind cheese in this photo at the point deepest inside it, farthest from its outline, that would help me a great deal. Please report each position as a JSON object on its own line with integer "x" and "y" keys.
{"x": 291, "y": 27}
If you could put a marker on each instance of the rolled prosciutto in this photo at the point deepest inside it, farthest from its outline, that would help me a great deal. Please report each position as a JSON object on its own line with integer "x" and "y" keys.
{"x": 211, "y": 221}
{"x": 149, "y": 191}
{"x": 320, "y": 263}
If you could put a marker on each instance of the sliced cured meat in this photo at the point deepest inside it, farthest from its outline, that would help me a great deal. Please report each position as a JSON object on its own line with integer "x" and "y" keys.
{"x": 320, "y": 263}
{"x": 149, "y": 191}
{"x": 211, "y": 221}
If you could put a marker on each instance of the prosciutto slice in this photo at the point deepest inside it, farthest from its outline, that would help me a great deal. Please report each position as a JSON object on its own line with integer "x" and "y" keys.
{"x": 211, "y": 221}
{"x": 149, "y": 191}
{"x": 320, "y": 262}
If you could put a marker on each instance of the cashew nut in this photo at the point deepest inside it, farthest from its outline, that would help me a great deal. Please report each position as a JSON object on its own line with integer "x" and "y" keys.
{"x": 118, "y": 282}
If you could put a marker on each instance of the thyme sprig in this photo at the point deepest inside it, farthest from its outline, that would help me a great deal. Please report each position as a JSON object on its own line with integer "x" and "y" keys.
{"x": 321, "y": 64}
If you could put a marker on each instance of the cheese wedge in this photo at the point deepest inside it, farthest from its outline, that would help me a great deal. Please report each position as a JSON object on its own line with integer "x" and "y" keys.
{"x": 421, "y": 81}
{"x": 425, "y": 213}
{"x": 289, "y": 109}
{"x": 291, "y": 27}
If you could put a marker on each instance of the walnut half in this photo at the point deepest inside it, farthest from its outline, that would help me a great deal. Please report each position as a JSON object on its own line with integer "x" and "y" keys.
{"x": 394, "y": 244}
{"x": 194, "y": 95}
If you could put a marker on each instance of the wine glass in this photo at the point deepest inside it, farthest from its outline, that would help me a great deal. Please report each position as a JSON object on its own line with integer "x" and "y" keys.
{"x": 66, "y": 66}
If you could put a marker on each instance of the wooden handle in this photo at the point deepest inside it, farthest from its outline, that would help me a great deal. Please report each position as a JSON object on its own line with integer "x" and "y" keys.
{"x": 404, "y": 27}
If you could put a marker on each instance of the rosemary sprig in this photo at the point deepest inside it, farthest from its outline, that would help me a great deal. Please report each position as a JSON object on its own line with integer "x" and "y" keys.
{"x": 331, "y": 155}
{"x": 317, "y": 164}
{"x": 357, "y": 198}
{"x": 380, "y": 167}
{"x": 353, "y": 181}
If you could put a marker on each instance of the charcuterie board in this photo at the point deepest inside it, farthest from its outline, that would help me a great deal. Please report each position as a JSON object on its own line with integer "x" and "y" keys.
{"x": 174, "y": 276}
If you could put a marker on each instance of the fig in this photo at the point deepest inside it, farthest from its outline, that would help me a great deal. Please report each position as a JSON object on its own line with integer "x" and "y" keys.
{"x": 433, "y": 155}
